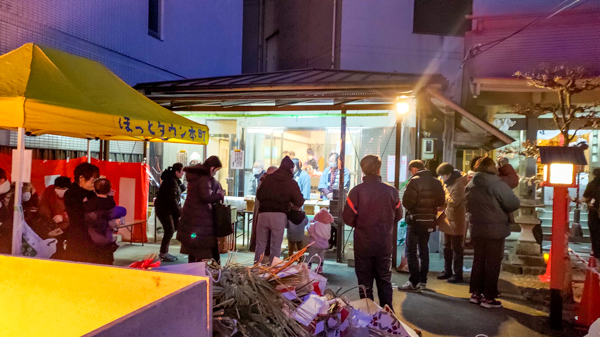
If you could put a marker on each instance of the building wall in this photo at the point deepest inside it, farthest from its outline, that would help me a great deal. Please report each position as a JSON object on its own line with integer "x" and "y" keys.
{"x": 295, "y": 34}
{"x": 377, "y": 35}
{"x": 200, "y": 37}
{"x": 303, "y": 31}
{"x": 569, "y": 38}
{"x": 519, "y": 7}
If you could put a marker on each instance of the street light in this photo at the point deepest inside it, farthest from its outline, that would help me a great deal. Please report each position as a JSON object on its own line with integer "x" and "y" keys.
{"x": 559, "y": 172}
{"x": 403, "y": 104}
{"x": 402, "y": 107}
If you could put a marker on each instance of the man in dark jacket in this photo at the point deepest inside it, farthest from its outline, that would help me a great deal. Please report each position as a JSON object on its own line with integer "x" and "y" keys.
{"x": 423, "y": 196}
{"x": 489, "y": 203}
{"x": 373, "y": 208}
{"x": 592, "y": 197}
{"x": 168, "y": 207}
{"x": 277, "y": 193}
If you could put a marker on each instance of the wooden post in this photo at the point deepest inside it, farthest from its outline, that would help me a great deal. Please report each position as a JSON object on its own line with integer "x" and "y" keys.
{"x": 145, "y": 152}
{"x": 449, "y": 155}
{"x": 106, "y": 155}
{"x": 341, "y": 194}
{"x": 399, "y": 125}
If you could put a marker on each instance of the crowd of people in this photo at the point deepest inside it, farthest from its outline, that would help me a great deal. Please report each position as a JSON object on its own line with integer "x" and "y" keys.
{"x": 81, "y": 215}
{"x": 484, "y": 200}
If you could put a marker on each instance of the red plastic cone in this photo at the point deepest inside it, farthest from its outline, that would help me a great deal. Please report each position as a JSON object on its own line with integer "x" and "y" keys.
{"x": 589, "y": 310}
{"x": 546, "y": 277}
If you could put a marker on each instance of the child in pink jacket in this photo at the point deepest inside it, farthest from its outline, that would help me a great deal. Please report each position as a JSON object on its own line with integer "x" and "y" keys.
{"x": 320, "y": 233}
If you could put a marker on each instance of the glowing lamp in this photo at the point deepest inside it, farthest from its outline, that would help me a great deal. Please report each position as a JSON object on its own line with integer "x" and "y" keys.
{"x": 559, "y": 174}
{"x": 402, "y": 107}
{"x": 559, "y": 165}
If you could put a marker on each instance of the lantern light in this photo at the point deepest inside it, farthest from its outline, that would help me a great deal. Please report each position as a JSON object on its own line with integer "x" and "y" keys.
{"x": 559, "y": 174}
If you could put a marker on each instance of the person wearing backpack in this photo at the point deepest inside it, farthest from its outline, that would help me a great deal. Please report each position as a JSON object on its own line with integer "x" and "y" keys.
{"x": 423, "y": 197}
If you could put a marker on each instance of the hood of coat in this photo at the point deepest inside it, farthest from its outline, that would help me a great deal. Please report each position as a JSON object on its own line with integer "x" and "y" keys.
{"x": 424, "y": 173}
{"x": 485, "y": 179}
{"x": 167, "y": 174}
{"x": 322, "y": 230}
{"x": 193, "y": 173}
{"x": 284, "y": 172}
{"x": 456, "y": 174}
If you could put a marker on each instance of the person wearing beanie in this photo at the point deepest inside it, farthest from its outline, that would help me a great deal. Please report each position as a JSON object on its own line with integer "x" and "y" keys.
{"x": 373, "y": 208}
{"x": 455, "y": 183}
{"x": 320, "y": 232}
{"x": 277, "y": 193}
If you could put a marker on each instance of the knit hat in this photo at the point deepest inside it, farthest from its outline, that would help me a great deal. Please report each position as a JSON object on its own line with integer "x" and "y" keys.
{"x": 324, "y": 216}
{"x": 286, "y": 163}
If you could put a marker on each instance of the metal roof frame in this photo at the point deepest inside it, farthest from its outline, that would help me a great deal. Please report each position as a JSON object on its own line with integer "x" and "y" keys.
{"x": 307, "y": 91}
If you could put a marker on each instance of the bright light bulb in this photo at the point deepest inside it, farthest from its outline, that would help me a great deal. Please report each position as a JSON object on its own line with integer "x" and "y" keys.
{"x": 402, "y": 107}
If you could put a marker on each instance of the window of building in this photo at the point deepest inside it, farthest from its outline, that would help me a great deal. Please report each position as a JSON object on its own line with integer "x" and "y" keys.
{"x": 155, "y": 8}
{"x": 442, "y": 17}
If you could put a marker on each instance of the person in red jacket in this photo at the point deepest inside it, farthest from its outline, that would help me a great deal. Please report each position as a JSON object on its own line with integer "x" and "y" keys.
{"x": 507, "y": 173}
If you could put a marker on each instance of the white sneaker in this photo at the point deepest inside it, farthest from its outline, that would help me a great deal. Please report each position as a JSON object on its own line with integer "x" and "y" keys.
{"x": 422, "y": 286}
{"x": 410, "y": 288}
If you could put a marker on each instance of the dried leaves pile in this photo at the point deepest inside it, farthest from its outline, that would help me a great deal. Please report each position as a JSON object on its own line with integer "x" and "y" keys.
{"x": 246, "y": 304}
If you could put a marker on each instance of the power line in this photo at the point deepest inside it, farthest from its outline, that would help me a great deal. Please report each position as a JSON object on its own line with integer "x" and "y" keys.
{"x": 477, "y": 50}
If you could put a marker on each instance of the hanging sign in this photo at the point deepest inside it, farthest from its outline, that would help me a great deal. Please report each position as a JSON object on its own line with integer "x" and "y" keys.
{"x": 237, "y": 160}
{"x": 391, "y": 168}
{"x": 25, "y": 170}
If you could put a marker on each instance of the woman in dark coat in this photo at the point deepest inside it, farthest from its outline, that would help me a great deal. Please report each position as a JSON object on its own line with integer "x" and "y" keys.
{"x": 168, "y": 206}
{"x": 80, "y": 246}
{"x": 489, "y": 204}
{"x": 196, "y": 227}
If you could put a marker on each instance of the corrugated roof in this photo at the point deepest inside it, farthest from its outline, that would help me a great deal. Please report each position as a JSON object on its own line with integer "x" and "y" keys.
{"x": 288, "y": 90}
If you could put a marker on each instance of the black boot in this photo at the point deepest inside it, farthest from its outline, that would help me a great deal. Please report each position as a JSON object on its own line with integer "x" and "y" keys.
{"x": 444, "y": 275}
{"x": 458, "y": 268}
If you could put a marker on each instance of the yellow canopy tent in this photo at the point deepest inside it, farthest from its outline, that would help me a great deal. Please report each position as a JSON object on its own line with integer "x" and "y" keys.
{"x": 48, "y": 91}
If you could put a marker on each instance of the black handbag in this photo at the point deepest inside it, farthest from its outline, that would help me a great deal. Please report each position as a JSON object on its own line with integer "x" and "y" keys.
{"x": 222, "y": 220}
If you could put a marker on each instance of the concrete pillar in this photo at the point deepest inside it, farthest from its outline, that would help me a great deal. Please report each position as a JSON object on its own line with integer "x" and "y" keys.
{"x": 531, "y": 135}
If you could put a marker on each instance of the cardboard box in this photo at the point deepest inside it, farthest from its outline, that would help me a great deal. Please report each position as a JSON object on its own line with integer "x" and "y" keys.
{"x": 250, "y": 205}
{"x": 51, "y": 298}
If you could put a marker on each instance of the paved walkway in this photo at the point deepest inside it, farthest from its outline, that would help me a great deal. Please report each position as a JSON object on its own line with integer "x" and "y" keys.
{"x": 443, "y": 310}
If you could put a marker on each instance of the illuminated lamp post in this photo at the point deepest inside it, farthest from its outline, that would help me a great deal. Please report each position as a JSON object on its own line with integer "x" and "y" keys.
{"x": 559, "y": 172}
{"x": 402, "y": 108}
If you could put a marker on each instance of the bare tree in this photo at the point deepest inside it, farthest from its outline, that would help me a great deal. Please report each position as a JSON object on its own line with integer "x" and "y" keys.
{"x": 566, "y": 82}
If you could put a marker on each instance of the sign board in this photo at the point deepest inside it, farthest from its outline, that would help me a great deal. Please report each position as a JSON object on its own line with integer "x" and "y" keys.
{"x": 403, "y": 168}
{"x": 237, "y": 160}
{"x": 391, "y": 168}
{"x": 25, "y": 170}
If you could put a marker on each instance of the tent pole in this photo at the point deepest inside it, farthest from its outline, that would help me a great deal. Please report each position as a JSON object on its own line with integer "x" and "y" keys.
{"x": 18, "y": 180}
{"x": 89, "y": 152}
